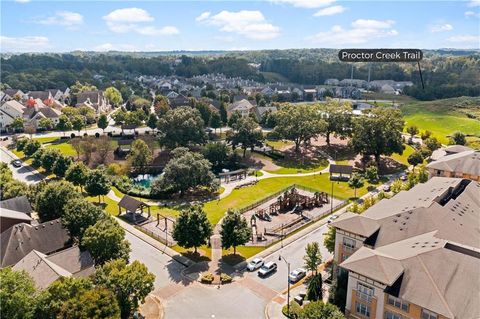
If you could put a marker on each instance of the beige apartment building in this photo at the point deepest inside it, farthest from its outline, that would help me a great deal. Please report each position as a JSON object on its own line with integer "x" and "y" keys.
{"x": 416, "y": 255}
{"x": 464, "y": 164}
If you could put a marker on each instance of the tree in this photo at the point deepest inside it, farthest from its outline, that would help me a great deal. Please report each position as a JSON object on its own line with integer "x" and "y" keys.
{"x": 458, "y": 138}
{"x": 338, "y": 118}
{"x": 97, "y": 303}
{"x": 371, "y": 174}
{"x": 77, "y": 174}
{"x": 432, "y": 143}
{"x": 105, "y": 240}
{"x": 45, "y": 123}
{"x": 204, "y": 110}
{"x": 51, "y": 199}
{"x": 78, "y": 215}
{"x": 97, "y": 183}
{"x": 102, "y": 122}
{"x": 17, "y": 123}
{"x": 17, "y": 294}
{"x": 415, "y": 158}
{"x": 152, "y": 121}
{"x": 378, "y": 133}
{"x": 161, "y": 105}
{"x": 412, "y": 130}
{"x": 338, "y": 290}
{"x": 181, "y": 127}
{"x": 192, "y": 228}
{"x": 14, "y": 188}
{"x": 104, "y": 147}
{"x": 315, "y": 289}
{"x": 129, "y": 283}
{"x": 64, "y": 124}
{"x": 50, "y": 155}
{"x": 37, "y": 158}
{"x": 134, "y": 119}
{"x": 299, "y": 123}
{"x": 88, "y": 147}
{"x": 245, "y": 132}
{"x": 215, "y": 121}
{"x": 77, "y": 146}
{"x": 217, "y": 154}
{"x": 235, "y": 230}
{"x": 78, "y": 122}
{"x": 140, "y": 155}
{"x": 355, "y": 182}
{"x": 320, "y": 310}
{"x": 329, "y": 240}
{"x": 61, "y": 165}
{"x": 223, "y": 113}
{"x": 234, "y": 117}
{"x": 113, "y": 96}
{"x": 31, "y": 146}
{"x": 52, "y": 299}
{"x": 119, "y": 116}
{"x": 425, "y": 135}
{"x": 313, "y": 257}
{"x": 185, "y": 171}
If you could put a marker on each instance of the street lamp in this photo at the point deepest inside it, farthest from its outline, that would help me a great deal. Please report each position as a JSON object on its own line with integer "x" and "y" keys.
{"x": 331, "y": 201}
{"x": 280, "y": 257}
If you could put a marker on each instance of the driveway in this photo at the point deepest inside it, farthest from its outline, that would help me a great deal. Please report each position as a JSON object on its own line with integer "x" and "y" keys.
{"x": 24, "y": 173}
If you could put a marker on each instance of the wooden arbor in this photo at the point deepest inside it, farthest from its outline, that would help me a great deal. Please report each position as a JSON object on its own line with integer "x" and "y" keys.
{"x": 132, "y": 206}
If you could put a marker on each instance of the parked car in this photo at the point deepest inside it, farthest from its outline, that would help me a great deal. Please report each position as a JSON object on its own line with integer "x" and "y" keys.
{"x": 403, "y": 177}
{"x": 255, "y": 264}
{"x": 332, "y": 218}
{"x": 297, "y": 274}
{"x": 17, "y": 163}
{"x": 386, "y": 188}
{"x": 267, "y": 269}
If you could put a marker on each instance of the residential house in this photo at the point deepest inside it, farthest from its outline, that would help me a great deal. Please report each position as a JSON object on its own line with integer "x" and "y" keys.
{"x": 309, "y": 93}
{"x": 172, "y": 95}
{"x": 244, "y": 107}
{"x": 414, "y": 255}
{"x": 449, "y": 150}
{"x": 14, "y": 211}
{"x": 13, "y": 94}
{"x": 33, "y": 115}
{"x": 45, "y": 269}
{"x": 94, "y": 100}
{"x": 268, "y": 91}
{"x": 387, "y": 89}
{"x": 9, "y": 110}
{"x": 464, "y": 164}
{"x": 333, "y": 82}
{"x": 178, "y": 101}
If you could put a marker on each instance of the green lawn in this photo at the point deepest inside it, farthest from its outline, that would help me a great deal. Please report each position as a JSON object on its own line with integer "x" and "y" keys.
{"x": 403, "y": 158}
{"x": 279, "y": 145}
{"x": 45, "y": 140}
{"x": 65, "y": 148}
{"x": 243, "y": 197}
{"x": 443, "y": 117}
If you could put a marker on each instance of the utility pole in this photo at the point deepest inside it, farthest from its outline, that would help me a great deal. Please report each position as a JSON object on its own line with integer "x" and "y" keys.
{"x": 280, "y": 257}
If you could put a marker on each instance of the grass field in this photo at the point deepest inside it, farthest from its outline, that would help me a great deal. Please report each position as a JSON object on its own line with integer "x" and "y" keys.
{"x": 279, "y": 145}
{"x": 64, "y": 148}
{"x": 443, "y": 117}
{"x": 243, "y": 197}
{"x": 45, "y": 140}
{"x": 274, "y": 77}
{"x": 403, "y": 158}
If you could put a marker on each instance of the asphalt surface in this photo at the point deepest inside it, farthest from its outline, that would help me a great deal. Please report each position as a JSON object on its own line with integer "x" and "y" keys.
{"x": 23, "y": 173}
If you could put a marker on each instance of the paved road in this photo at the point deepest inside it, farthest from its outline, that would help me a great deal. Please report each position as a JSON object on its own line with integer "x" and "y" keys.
{"x": 24, "y": 173}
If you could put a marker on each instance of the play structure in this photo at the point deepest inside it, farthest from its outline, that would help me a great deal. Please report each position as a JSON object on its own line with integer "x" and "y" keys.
{"x": 293, "y": 201}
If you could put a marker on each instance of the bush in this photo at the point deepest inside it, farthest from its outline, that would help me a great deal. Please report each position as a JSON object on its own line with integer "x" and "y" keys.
{"x": 207, "y": 278}
{"x": 295, "y": 310}
{"x": 72, "y": 135}
{"x": 224, "y": 278}
{"x": 21, "y": 144}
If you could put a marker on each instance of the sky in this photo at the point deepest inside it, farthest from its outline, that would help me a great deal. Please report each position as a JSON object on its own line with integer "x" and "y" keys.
{"x": 63, "y": 26}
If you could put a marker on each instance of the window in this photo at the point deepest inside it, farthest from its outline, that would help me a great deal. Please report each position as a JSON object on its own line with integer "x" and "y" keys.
{"x": 362, "y": 309}
{"x": 399, "y": 303}
{"x": 391, "y": 315}
{"x": 364, "y": 292}
{"x": 427, "y": 314}
{"x": 348, "y": 243}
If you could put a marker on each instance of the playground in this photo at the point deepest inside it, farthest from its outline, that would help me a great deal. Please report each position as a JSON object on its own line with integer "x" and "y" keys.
{"x": 281, "y": 215}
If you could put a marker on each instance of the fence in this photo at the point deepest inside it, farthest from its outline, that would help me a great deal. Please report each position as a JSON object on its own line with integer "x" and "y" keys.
{"x": 161, "y": 239}
{"x": 264, "y": 200}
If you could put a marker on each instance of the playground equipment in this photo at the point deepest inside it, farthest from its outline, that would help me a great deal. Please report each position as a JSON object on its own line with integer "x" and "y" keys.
{"x": 293, "y": 200}
{"x": 263, "y": 215}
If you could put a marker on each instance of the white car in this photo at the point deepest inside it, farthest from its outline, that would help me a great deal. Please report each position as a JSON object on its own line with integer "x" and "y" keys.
{"x": 255, "y": 264}
{"x": 297, "y": 274}
{"x": 267, "y": 269}
{"x": 332, "y": 218}
{"x": 386, "y": 188}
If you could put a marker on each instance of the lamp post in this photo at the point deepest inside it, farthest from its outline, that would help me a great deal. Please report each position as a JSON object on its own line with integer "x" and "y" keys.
{"x": 280, "y": 257}
{"x": 331, "y": 201}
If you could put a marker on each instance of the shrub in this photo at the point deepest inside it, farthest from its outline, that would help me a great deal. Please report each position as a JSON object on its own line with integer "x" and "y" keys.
{"x": 295, "y": 310}
{"x": 21, "y": 144}
{"x": 72, "y": 135}
{"x": 207, "y": 278}
{"x": 31, "y": 147}
{"x": 224, "y": 278}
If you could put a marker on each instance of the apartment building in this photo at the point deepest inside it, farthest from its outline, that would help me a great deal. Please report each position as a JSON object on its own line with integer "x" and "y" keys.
{"x": 416, "y": 255}
{"x": 463, "y": 164}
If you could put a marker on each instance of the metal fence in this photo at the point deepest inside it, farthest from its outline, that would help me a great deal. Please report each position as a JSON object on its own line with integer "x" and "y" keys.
{"x": 161, "y": 239}
{"x": 264, "y": 200}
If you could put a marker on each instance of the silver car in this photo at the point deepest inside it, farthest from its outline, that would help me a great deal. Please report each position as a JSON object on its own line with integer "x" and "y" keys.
{"x": 255, "y": 264}
{"x": 297, "y": 274}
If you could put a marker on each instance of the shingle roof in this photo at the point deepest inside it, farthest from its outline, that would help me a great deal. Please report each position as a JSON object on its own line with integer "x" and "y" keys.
{"x": 19, "y": 240}
{"x": 7, "y": 213}
{"x": 19, "y": 204}
{"x": 130, "y": 203}
{"x": 356, "y": 224}
{"x": 467, "y": 162}
{"x": 93, "y": 96}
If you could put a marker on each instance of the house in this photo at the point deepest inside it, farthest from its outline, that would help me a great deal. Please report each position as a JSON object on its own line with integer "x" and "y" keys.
{"x": 449, "y": 150}
{"x": 268, "y": 91}
{"x": 178, "y": 101}
{"x": 261, "y": 111}
{"x": 9, "y": 110}
{"x": 464, "y": 164}
{"x": 172, "y": 95}
{"x": 309, "y": 93}
{"x": 94, "y": 100}
{"x": 387, "y": 89}
{"x": 14, "y": 211}
{"x": 41, "y": 95}
{"x": 333, "y": 82}
{"x": 33, "y": 115}
{"x": 244, "y": 107}
{"x": 13, "y": 94}
{"x": 19, "y": 240}
{"x": 413, "y": 255}
{"x": 45, "y": 269}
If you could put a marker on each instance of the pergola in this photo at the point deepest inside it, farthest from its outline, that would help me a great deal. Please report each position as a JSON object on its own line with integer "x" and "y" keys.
{"x": 233, "y": 175}
{"x": 131, "y": 206}
{"x": 337, "y": 172}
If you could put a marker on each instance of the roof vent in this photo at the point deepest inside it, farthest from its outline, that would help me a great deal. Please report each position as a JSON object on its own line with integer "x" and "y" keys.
{"x": 423, "y": 246}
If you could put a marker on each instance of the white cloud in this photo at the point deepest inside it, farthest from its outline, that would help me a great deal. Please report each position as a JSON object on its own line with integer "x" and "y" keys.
{"x": 469, "y": 14}
{"x": 330, "y": 11}
{"x": 465, "y": 39}
{"x": 441, "y": 28}
{"x": 309, "y": 4}
{"x": 114, "y": 47}
{"x": 203, "y": 16}
{"x": 65, "y": 18}
{"x": 362, "y": 31}
{"x": 24, "y": 44}
{"x": 133, "y": 20}
{"x": 250, "y": 24}
{"x": 474, "y": 3}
